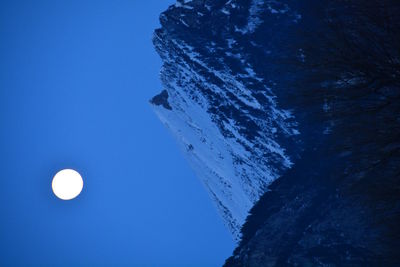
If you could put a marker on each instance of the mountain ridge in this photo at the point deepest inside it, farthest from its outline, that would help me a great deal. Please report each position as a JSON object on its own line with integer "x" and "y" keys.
{"x": 224, "y": 115}
{"x": 289, "y": 114}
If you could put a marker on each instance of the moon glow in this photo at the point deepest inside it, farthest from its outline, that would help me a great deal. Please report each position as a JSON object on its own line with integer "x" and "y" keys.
{"x": 67, "y": 184}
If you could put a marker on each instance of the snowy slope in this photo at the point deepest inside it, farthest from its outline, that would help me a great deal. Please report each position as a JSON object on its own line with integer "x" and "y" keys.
{"x": 222, "y": 111}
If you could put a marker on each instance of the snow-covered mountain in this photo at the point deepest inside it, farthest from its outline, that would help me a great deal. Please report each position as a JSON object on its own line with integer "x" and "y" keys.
{"x": 292, "y": 106}
{"x": 219, "y": 100}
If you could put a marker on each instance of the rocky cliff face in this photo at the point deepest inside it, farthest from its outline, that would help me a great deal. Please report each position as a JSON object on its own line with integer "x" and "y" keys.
{"x": 339, "y": 205}
{"x": 219, "y": 103}
{"x": 295, "y": 107}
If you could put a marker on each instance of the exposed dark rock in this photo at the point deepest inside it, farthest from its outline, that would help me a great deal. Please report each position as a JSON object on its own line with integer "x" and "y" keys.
{"x": 161, "y": 100}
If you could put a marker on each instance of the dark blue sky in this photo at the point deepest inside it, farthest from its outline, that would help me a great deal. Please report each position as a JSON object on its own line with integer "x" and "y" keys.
{"x": 75, "y": 79}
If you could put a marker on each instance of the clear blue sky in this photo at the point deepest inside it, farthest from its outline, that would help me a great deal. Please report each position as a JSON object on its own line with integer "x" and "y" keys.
{"x": 75, "y": 79}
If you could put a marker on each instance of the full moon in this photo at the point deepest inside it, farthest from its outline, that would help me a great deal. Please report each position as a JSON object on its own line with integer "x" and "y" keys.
{"x": 67, "y": 184}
